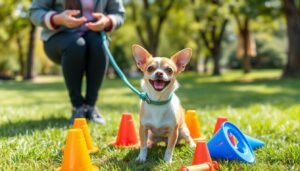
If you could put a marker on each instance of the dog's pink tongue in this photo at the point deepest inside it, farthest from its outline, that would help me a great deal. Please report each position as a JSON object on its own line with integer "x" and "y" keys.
{"x": 159, "y": 85}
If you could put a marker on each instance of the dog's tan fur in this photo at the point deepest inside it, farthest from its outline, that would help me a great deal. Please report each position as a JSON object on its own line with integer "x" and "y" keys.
{"x": 161, "y": 122}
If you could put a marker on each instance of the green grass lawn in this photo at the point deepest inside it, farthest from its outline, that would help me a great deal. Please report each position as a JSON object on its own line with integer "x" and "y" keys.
{"x": 34, "y": 117}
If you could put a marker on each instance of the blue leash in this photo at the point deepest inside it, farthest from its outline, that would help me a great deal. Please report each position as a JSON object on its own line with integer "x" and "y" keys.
{"x": 142, "y": 95}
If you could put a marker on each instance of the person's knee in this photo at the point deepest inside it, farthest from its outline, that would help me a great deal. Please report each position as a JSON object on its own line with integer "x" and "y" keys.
{"x": 93, "y": 39}
{"x": 77, "y": 45}
{"x": 76, "y": 49}
{"x": 52, "y": 53}
{"x": 94, "y": 46}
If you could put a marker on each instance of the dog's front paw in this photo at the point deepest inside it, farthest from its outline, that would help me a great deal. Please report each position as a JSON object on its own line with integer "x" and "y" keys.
{"x": 142, "y": 156}
{"x": 168, "y": 156}
{"x": 192, "y": 144}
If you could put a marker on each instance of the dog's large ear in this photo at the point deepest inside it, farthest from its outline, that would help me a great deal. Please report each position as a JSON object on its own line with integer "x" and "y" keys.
{"x": 141, "y": 56}
{"x": 182, "y": 58}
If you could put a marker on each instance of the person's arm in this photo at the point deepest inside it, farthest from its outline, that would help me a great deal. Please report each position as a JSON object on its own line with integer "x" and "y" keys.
{"x": 113, "y": 18}
{"x": 66, "y": 18}
{"x": 42, "y": 15}
{"x": 115, "y": 11}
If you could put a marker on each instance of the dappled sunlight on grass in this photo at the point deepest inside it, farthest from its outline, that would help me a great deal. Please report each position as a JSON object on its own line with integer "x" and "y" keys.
{"x": 262, "y": 89}
{"x": 234, "y": 76}
{"x": 34, "y": 119}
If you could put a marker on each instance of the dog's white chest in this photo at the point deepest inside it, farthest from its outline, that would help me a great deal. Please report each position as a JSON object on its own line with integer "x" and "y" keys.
{"x": 161, "y": 116}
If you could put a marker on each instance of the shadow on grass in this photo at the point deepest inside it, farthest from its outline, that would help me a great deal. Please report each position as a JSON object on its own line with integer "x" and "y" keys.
{"x": 201, "y": 92}
{"x": 238, "y": 93}
{"x": 30, "y": 86}
{"x": 55, "y": 86}
{"x": 10, "y": 129}
{"x": 197, "y": 91}
{"x": 154, "y": 159}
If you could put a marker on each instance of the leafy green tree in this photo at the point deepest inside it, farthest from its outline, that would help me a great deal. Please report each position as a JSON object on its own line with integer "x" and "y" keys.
{"x": 292, "y": 13}
{"x": 149, "y": 17}
{"x": 213, "y": 16}
{"x": 11, "y": 24}
{"x": 179, "y": 33}
{"x": 14, "y": 23}
{"x": 246, "y": 11}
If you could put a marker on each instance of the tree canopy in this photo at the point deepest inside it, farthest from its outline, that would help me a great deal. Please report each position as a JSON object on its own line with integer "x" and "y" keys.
{"x": 216, "y": 30}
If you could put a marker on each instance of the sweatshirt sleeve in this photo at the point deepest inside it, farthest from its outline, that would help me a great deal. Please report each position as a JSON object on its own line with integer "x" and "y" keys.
{"x": 41, "y": 14}
{"x": 116, "y": 12}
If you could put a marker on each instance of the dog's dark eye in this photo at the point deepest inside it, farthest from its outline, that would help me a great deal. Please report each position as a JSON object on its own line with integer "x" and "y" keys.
{"x": 150, "y": 68}
{"x": 169, "y": 70}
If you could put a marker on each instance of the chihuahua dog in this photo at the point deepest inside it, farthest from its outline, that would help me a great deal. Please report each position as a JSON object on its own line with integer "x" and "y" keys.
{"x": 164, "y": 122}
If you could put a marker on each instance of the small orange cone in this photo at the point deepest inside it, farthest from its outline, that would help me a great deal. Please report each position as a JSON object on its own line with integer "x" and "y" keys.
{"x": 76, "y": 156}
{"x": 202, "y": 155}
{"x": 81, "y": 124}
{"x": 220, "y": 121}
{"x": 193, "y": 124}
{"x": 126, "y": 135}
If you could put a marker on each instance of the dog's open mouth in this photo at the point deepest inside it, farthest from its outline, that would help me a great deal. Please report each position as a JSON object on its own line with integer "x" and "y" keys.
{"x": 158, "y": 84}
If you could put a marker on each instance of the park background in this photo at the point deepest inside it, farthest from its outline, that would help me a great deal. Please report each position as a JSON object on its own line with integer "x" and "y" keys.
{"x": 245, "y": 65}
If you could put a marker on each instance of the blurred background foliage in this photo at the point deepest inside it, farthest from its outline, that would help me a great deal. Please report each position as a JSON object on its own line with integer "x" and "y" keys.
{"x": 224, "y": 34}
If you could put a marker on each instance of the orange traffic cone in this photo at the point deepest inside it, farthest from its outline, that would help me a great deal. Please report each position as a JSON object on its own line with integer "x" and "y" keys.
{"x": 126, "y": 135}
{"x": 193, "y": 124}
{"x": 202, "y": 160}
{"x": 81, "y": 124}
{"x": 220, "y": 121}
{"x": 202, "y": 155}
{"x": 76, "y": 156}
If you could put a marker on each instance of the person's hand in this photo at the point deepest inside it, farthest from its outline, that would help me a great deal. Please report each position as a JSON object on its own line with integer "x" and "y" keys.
{"x": 101, "y": 23}
{"x": 67, "y": 19}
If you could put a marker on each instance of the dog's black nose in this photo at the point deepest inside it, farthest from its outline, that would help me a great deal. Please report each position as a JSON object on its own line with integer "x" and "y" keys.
{"x": 159, "y": 74}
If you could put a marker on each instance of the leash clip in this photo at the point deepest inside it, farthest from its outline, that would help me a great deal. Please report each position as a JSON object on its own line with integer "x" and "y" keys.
{"x": 148, "y": 100}
{"x": 145, "y": 97}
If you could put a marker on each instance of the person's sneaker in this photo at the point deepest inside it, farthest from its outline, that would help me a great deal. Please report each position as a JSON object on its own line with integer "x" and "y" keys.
{"x": 93, "y": 114}
{"x": 77, "y": 113}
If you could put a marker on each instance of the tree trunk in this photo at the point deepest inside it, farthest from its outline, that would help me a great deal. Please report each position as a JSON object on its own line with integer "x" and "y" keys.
{"x": 149, "y": 30}
{"x": 197, "y": 59}
{"x": 216, "y": 61}
{"x": 292, "y": 68}
{"x": 216, "y": 48}
{"x": 30, "y": 54}
{"x": 21, "y": 55}
{"x": 193, "y": 64}
{"x": 206, "y": 60}
{"x": 246, "y": 37}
